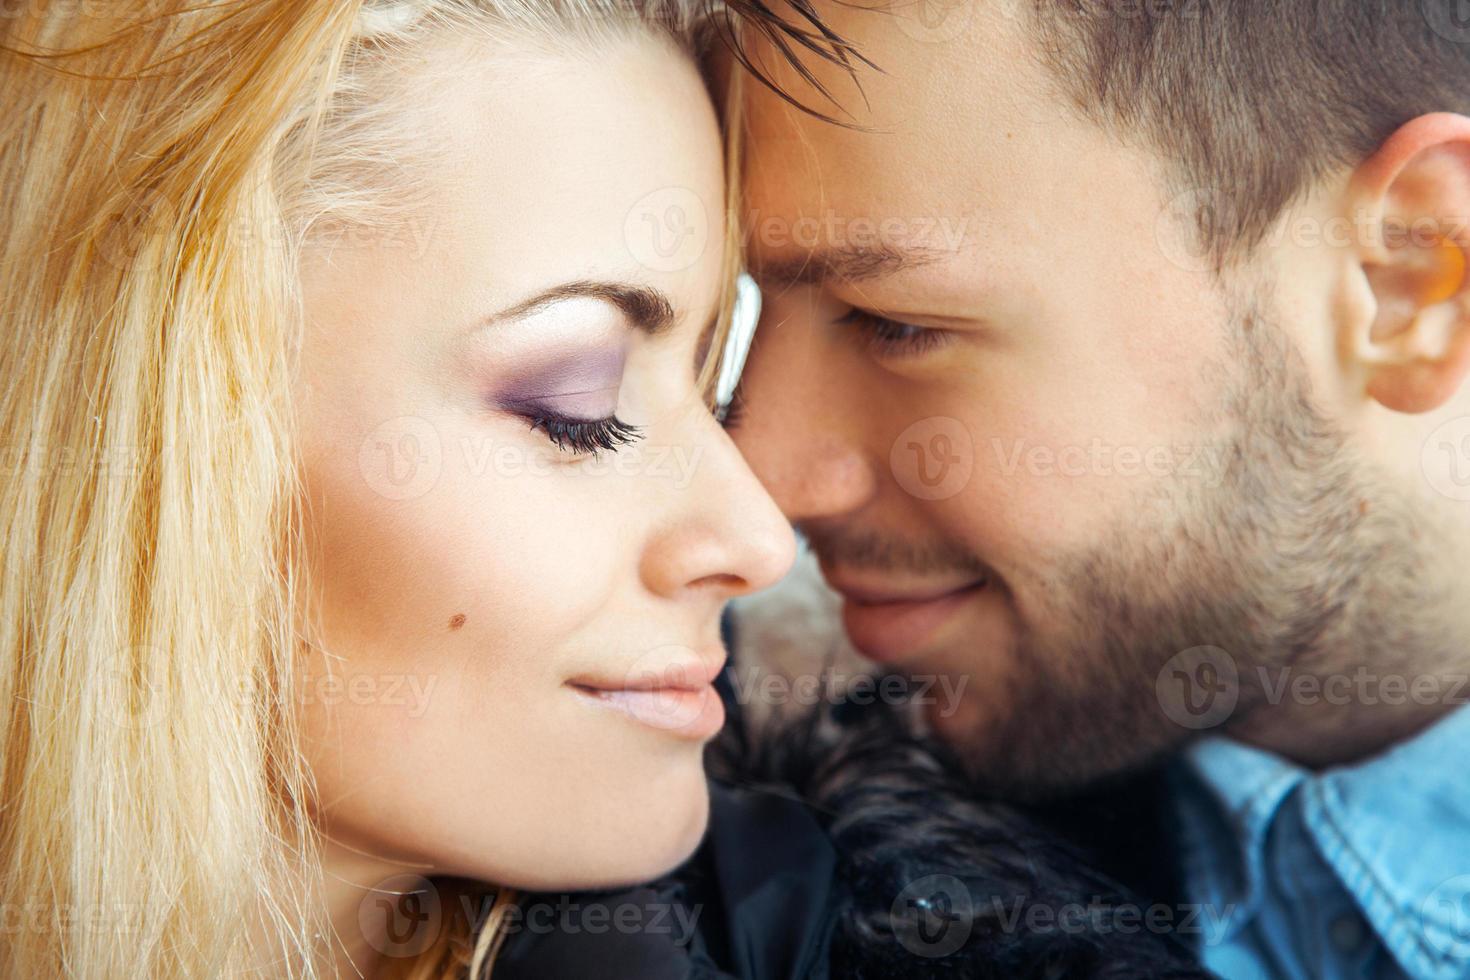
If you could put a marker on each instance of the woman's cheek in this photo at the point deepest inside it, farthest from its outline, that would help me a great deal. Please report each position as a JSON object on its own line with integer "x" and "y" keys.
{"x": 449, "y": 623}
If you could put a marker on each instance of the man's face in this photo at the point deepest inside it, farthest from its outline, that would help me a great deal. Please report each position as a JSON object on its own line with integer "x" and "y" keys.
{"x": 1032, "y": 439}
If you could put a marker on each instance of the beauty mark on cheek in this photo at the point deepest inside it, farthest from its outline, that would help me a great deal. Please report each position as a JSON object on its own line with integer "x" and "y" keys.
{"x": 456, "y": 621}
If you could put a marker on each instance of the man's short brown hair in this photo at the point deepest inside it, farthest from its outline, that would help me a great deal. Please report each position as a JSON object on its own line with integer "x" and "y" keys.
{"x": 1249, "y": 102}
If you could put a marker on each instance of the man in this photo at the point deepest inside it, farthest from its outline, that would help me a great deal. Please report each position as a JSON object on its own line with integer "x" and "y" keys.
{"x": 1114, "y": 357}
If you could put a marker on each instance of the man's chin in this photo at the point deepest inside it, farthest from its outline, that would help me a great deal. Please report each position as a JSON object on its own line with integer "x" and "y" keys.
{"x": 966, "y": 724}
{"x": 1023, "y": 757}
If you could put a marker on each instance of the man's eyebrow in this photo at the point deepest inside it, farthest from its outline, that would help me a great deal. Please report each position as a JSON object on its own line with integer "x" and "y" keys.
{"x": 846, "y": 263}
{"x": 647, "y": 308}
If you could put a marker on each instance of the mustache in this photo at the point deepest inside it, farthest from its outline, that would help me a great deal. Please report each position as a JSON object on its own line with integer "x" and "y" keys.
{"x": 865, "y": 549}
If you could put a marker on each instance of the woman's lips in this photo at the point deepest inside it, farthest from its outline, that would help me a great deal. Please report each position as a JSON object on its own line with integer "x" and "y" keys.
{"x": 679, "y": 698}
{"x": 696, "y": 714}
{"x": 892, "y": 626}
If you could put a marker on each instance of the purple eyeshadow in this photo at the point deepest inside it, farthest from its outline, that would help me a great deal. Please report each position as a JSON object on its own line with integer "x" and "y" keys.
{"x": 584, "y": 385}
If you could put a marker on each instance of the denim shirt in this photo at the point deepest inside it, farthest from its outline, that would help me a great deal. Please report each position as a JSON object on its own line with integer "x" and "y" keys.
{"x": 1353, "y": 871}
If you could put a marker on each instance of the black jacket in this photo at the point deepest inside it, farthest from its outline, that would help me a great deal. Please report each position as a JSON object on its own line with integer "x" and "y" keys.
{"x": 846, "y": 848}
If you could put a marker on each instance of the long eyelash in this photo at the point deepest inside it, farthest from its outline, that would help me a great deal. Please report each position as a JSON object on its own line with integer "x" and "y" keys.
{"x": 730, "y": 415}
{"x": 586, "y": 437}
{"x": 890, "y": 338}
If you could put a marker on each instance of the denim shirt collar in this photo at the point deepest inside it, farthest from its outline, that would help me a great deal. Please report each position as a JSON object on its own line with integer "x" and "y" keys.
{"x": 1394, "y": 829}
{"x": 1229, "y": 795}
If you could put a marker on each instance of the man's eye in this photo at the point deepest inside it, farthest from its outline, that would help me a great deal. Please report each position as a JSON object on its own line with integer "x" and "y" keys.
{"x": 890, "y": 338}
{"x": 730, "y": 414}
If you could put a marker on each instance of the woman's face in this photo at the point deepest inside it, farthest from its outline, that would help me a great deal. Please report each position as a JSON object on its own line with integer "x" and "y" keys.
{"x": 487, "y": 584}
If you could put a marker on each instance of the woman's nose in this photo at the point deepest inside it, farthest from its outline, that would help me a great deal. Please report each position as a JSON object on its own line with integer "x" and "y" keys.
{"x": 725, "y": 534}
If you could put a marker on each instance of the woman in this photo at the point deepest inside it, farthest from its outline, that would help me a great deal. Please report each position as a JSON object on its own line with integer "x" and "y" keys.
{"x": 367, "y": 527}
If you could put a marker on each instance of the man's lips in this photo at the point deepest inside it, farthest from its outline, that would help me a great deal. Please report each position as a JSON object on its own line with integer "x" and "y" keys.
{"x": 881, "y": 594}
{"x": 676, "y": 697}
{"x": 891, "y": 622}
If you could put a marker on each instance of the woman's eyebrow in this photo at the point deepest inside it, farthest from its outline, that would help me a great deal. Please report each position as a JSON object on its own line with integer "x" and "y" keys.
{"x": 646, "y": 308}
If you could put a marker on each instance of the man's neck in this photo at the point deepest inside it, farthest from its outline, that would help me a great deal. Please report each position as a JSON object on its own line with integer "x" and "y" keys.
{"x": 1321, "y": 720}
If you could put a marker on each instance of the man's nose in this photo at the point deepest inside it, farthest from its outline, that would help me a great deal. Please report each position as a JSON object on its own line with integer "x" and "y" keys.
{"x": 801, "y": 426}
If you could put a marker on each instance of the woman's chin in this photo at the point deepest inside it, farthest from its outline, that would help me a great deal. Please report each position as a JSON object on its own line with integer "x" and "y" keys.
{"x": 661, "y": 844}
{"x": 619, "y": 842}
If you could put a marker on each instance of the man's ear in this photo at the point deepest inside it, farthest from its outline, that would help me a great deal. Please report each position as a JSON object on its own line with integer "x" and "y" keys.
{"x": 1412, "y": 202}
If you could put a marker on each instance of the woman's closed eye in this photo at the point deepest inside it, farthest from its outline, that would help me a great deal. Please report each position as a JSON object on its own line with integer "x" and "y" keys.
{"x": 891, "y": 338}
{"x": 574, "y": 405}
{"x": 583, "y": 437}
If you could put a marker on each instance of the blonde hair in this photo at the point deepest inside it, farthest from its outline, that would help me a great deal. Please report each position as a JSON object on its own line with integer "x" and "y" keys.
{"x": 163, "y": 165}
